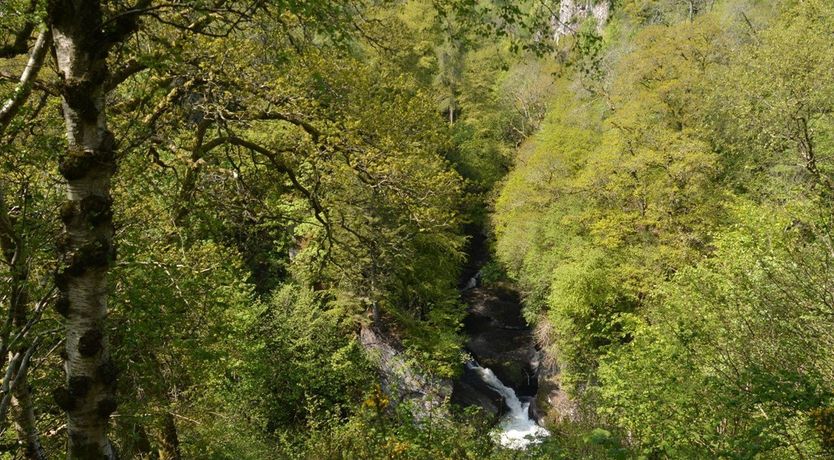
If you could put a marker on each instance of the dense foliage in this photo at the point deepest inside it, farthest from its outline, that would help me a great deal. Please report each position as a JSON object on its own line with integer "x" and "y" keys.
{"x": 670, "y": 224}
{"x": 204, "y": 204}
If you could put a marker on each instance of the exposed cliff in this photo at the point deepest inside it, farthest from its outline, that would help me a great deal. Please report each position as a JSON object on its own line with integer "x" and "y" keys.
{"x": 402, "y": 381}
{"x": 573, "y": 12}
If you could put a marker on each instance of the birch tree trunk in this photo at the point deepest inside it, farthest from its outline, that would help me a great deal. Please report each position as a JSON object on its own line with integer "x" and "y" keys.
{"x": 86, "y": 248}
{"x": 23, "y": 412}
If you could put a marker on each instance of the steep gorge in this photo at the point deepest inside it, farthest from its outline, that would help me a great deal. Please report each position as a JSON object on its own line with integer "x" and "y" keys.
{"x": 502, "y": 377}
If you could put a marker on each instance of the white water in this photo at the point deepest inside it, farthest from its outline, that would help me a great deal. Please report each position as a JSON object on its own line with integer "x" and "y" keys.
{"x": 517, "y": 429}
{"x": 473, "y": 282}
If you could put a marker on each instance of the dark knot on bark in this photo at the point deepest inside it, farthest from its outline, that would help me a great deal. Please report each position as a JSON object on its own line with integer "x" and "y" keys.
{"x": 63, "y": 399}
{"x": 79, "y": 386}
{"x": 107, "y": 372}
{"x": 62, "y": 306}
{"x": 90, "y": 343}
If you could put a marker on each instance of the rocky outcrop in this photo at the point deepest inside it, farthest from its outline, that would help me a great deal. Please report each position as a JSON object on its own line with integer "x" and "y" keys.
{"x": 499, "y": 337}
{"x": 573, "y": 12}
{"x": 552, "y": 404}
{"x": 401, "y": 381}
{"x": 471, "y": 390}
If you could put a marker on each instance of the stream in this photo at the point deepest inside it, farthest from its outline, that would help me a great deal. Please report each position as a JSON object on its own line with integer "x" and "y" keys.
{"x": 516, "y": 429}
{"x": 502, "y": 378}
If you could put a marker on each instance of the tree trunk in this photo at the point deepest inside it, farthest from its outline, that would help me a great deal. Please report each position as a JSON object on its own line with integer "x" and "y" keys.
{"x": 452, "y": 107}
{"x": 186, "y": 193}
{"x": 23, "y": 413}
{"x": 86, "y": 248}
{"x": 169, "y": 448}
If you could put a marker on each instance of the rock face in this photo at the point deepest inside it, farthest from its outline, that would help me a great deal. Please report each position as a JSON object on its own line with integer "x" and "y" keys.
{"x": 499, "y": 337}
{"x": 470, "y": 390}
{"x": 552, "y": 404}
{"x": 573, "y": 12}
{"x": 403, "y": 383}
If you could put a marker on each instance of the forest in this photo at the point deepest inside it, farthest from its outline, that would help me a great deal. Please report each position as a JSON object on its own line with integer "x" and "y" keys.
{"x": 417, "y": 229}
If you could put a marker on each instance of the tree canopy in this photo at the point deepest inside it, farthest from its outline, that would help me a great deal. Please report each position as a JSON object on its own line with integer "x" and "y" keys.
{"x": 205, "y": 204}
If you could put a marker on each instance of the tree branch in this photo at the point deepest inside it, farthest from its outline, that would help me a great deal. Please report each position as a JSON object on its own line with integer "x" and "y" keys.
{"x": 314, "y": 133}
{"x": 24, "y": 86}
{"x": 21, "y": 37}
{"x": 131, "y": 68}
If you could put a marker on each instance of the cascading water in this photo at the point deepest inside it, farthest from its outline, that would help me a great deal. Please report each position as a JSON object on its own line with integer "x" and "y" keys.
{"x": 517, "y": 429}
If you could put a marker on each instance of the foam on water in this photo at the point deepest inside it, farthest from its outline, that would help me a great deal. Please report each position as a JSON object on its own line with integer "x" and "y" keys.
{"x": 517, "y": 429}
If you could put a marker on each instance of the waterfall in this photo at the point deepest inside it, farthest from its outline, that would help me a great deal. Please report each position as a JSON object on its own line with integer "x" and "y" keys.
{"x": 518, "y": 430}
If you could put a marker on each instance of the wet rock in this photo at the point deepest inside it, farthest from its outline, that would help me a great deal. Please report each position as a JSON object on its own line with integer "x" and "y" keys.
{"x": 533, "y": 412}
{"x": 499, "y": 337}
{"x": 471, "y": 390}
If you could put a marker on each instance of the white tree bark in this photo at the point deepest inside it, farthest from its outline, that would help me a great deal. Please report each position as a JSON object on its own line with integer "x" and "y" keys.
{"x": 19, "y": 392}
{"x": 23, "y": 414}
{"x": 87, "y": 166}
